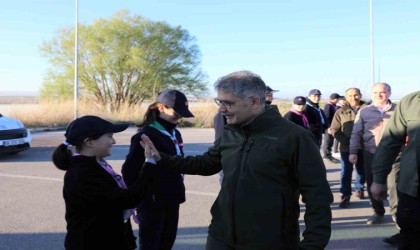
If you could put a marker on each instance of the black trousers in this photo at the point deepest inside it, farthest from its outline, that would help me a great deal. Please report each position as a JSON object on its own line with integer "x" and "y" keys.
{"x": 327, "y": 144}
{"x": 408, "y": 218}
{"x": 158, "y": 225}
{"x": 378, "y": 206}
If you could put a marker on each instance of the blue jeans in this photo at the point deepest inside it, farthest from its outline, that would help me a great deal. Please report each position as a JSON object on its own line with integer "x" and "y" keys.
{"x": 347, "y": 172}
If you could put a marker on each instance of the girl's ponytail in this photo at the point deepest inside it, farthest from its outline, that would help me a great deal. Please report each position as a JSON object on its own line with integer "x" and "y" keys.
{"x": 61, "y": 157}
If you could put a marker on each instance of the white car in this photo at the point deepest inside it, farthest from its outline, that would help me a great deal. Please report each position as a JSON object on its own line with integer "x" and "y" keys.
{"x": 14, "y": 137}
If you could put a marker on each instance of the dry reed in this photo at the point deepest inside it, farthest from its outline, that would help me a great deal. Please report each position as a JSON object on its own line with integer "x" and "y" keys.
{"x": 54, "y": 114}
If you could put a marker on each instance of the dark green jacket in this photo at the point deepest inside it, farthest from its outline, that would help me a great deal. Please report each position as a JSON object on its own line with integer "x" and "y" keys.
{"x": 267, "y": 165}
{"x": 403, "y": 125}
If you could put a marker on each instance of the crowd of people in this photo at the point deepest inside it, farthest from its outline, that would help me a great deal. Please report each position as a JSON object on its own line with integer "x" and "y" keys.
{"x": 268, "y": 163}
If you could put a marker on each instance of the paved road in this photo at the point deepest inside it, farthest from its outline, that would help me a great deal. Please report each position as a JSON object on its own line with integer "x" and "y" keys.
{"x": 32, "y": 208}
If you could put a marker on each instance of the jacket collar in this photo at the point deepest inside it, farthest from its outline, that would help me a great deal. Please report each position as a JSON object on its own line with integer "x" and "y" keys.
{"x": 262, "y": 122}
{"x": 347, "y": 107}
{"x": 310, "y": 103}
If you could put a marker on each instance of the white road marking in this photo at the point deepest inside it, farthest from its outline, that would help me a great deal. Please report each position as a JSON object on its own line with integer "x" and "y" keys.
{"x": 60, "y": 180}
{"x": 31, "y": 177}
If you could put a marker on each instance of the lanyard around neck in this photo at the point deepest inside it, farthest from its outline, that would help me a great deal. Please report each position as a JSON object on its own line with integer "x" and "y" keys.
{"x": 172, "y": 136}
{"x": 127, "y": 212}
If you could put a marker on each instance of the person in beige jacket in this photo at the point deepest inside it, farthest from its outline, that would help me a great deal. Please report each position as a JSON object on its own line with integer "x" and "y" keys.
{"x": 341, "y": 127}
{"x": 367, "y": 132}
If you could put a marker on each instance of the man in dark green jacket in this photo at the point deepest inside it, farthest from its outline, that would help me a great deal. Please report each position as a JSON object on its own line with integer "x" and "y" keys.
{"x": 268, "y": 162}
{"x": 403, "y": 129}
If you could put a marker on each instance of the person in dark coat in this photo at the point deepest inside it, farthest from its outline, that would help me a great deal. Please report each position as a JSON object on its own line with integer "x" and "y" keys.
{"x": 269, "y": 95}
{"x": 158, "y": 213}
{"x": 219, "y": 122}
{"x": 328, "y": 140}
{"x": 268, "y": 164}
{"x": 296, "y": 113}
{"x": 316, "y": 116}
{"x": 98, "y": 203}
{"x": 402, "y": 130}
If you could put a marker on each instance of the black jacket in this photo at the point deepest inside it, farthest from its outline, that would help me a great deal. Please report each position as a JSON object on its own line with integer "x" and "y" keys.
{"x": 268, "y": 164}
{"x": 296, "y": 119}
{"x": 329, "y": 111}
{"x": 314, "y": 119}
{"x": 95, "y": 205}
{"x": 168, "y": 187}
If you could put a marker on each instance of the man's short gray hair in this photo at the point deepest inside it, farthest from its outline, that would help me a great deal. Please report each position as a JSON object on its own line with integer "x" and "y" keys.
{"x": 242, "y": 84}
{"x": 385, "y": 84}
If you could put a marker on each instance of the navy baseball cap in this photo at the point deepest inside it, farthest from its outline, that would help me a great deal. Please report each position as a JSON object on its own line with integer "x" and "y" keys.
{"x": 268, "y": 90}
{"x": 335, "y": 96}
{"x": 299, "y": 100}
{"x": 92, "y": 127}
{"x": 315, "y": 92}
{"x": 176, "y": 100}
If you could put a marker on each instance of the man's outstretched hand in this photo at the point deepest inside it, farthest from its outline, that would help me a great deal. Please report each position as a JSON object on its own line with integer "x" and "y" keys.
{"x": 149, "y": 148}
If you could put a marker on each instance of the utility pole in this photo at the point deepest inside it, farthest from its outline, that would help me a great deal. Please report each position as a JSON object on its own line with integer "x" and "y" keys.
{"x": 76, "y": 63}
{"x": 371, "y": 43}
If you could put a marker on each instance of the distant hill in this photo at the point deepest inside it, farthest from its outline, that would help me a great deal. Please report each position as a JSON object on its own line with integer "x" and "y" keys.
{"x": 19, "y": 99}
{"x": 18, "y": 93}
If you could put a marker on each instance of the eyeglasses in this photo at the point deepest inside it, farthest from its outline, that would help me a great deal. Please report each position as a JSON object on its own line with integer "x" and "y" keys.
{"x": 226, "y": 104}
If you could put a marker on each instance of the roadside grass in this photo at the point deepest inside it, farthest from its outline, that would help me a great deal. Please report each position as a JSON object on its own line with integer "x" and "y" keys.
{"x": 56, "y": 114}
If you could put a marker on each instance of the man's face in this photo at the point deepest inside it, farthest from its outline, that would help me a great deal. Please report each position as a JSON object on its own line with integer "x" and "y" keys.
{"x": 315, "y": 98}
{"x": 235, "y": 109}
{"x": 342, "y": 102}
{"x": 269, "y": 97}
{"x": 353, "y": 97}
{"x": 380, "y": 94}
{"x": 299, "y": 107}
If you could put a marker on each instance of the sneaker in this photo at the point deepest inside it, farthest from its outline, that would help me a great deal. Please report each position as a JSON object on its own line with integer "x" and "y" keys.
{"x": 331, "y": 159}
{"x": 360, "y": 194}
{"x": 345, "y": 202}
{"x": 394, "y": 240}
{"x": 375, "y": 219}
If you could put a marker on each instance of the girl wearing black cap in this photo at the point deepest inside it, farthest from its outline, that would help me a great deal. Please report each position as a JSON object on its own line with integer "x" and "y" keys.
{"x": 98, "y": 204}
{"x": 159, "y": 211}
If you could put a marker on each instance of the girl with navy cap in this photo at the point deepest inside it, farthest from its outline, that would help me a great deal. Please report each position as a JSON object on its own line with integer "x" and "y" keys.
{"x": 98, "y": 203}
{"x": 158, "y": 212}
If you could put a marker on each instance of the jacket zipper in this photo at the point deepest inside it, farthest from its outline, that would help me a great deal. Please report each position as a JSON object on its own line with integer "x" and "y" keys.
{"x": 244, "y": 149}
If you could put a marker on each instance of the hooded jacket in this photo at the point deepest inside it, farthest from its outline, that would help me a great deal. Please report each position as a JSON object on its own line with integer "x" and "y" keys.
{"x": 267, "y": 165}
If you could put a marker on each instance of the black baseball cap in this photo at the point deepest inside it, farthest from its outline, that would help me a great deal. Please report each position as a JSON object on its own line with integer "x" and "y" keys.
{"x": 335, "y": 96}
{"x": 299, "y": 100}
{"x": 176, "y": 100}
{"x": 269, "y": 90}
{"x": 91, "y": 127}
